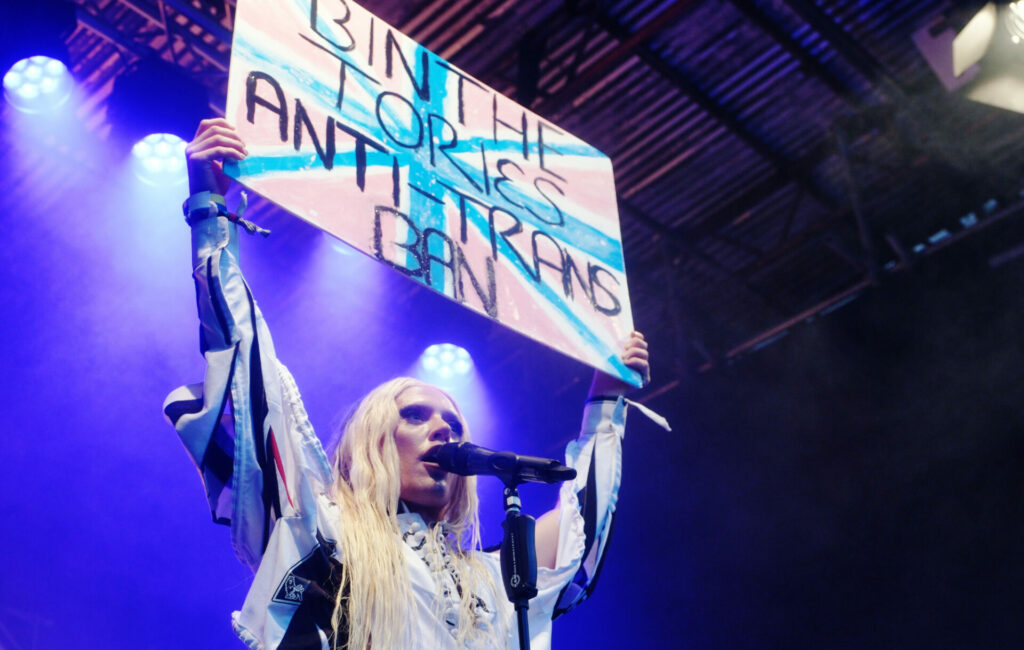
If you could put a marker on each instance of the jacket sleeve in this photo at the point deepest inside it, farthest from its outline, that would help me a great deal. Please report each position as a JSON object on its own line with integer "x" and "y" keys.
{"x": 244, "y": 426}
{"x": 588, "y": 503}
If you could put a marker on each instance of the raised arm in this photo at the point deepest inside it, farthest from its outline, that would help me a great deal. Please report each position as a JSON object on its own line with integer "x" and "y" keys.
{"x": 244, "y": 426}
{"x": 636, "y": 356}
{"x": 596, "y": 456}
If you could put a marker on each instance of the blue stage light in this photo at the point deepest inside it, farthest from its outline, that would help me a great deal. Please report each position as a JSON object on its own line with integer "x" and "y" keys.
{"x": 159, "y": 159}
{"x": 446, "y": 361}
{"x": 37, "y": 84}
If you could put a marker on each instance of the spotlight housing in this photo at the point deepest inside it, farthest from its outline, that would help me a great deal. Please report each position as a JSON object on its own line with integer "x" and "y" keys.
{"x": 159, "y": 159}
{"x": 979, "y": 52}
{"x": 446, "y": 361}
{"x": 37, "y": 84}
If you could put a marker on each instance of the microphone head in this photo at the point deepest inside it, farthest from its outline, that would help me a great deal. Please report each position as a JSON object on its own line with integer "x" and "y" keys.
{"x": 448, "y": 458}
{"x": 432, "y": 454}
{"x": 467, "y": 459}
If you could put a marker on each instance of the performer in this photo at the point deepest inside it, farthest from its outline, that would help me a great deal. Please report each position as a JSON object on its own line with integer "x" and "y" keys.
{"x": 376, "y": 547}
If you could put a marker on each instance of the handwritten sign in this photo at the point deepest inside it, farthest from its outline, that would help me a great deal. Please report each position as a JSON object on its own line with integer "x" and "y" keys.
{"x": 362, "y": 132}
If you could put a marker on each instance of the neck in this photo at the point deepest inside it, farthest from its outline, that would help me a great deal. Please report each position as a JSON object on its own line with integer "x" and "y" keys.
{"x": 430, "y": 515}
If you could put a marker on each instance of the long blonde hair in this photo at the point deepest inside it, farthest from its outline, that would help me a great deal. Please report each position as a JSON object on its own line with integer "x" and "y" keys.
{"x": 375, "y": 593}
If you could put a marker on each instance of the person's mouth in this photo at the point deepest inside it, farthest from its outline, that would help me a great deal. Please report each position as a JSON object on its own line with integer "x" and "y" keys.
{"x": 434, "y": 470}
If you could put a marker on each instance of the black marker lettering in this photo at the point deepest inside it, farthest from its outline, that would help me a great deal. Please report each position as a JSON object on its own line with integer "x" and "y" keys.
{"x": 521, "y": 131}
{"x": 252, "y": 99}
{"x": 340, "y": 22}
{"x": 342, "y": 71}
{"x": 391, "y": 98}
{"x": 423, "y": 86}
{"x": 445, "y": 147}
{"x": 460, "y": 96}
{"x": 515, "y": 229}
{"x": 490, "y": 300}
{"x": 325, "y": 153}
{"x": 447, "y": 259}
{"x": 594, "y": 272}
{"x": 381, "y": 212}
{"x": 422, "y": 192}
{"x": 483, "y": 166}
{"x": 499, "y": 184}
{"x": 541, "y": 125}
{"x": 361, "y": 141}
{"x": 539, "y": 261}
{"x": 560, "y": 218}
{"x": 369, "y": 50}
{"x": 396, "y": 182}
{"x": 504, "y": 178}
{"x": 462, "y": 210}
{"x": 568, "y": 271}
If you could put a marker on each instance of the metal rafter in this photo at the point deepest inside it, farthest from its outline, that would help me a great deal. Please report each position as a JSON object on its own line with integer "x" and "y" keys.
{"x": 1010, "y": 211}
{"x": 851, "y": 51}
{"x": 833, "y": 230}
{"x": 691, "y": 89}
{"x": 811, "y": 64}
{"x": 629, "y": 43}
{"x": 864, "y": 63}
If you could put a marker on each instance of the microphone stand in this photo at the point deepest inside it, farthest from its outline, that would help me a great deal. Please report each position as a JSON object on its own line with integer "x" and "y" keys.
{"x": 518, "y": 552}
{"x": 518, "y": 558}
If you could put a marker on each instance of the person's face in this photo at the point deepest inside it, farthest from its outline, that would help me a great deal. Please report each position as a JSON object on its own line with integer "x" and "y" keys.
{"x": 427, "y": 418}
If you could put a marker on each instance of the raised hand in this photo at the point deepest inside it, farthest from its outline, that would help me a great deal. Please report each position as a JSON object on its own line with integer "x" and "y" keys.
{"x": 635, "y": 356}
{"x": 215, "y": 141}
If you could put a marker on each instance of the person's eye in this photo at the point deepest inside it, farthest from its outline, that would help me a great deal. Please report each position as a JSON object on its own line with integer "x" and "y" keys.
{"x": 456, "y": 428}
{"x": 413, "y": 414}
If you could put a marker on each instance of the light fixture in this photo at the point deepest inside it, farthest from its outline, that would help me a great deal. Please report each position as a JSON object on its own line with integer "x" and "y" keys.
{"x": 446, "y": 361}
{"x": 159, "y": 159}
{"x": 979, "y": 52}
{"x": 37, "y": 84}
{"x": 33, "y": 54}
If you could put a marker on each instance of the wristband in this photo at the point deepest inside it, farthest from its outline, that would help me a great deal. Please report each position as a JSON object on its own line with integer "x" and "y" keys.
{"x": 203, "y": 205}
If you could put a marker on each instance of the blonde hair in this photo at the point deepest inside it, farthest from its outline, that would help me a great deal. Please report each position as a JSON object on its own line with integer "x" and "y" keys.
{"x": 375, "y": 593}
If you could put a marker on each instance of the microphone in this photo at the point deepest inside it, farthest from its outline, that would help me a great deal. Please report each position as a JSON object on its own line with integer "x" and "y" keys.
{"x": 468, "y": 459}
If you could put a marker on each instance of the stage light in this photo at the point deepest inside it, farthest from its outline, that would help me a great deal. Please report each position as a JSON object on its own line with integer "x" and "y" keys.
{"x": 446, "y": 361}
{"x": 159, "y": 159}
{"x": 37, "y": 84}
{"x": 979, "y": 52}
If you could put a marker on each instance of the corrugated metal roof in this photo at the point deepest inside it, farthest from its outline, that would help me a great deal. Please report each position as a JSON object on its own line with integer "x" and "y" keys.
{"x": 723, "y": 121}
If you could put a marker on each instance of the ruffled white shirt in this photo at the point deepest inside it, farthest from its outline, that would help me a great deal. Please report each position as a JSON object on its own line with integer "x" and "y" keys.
{"x": 266, "y": 476}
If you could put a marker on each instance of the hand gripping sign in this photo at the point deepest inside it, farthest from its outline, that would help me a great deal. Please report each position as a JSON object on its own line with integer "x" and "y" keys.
{"x": 357, "y": 129}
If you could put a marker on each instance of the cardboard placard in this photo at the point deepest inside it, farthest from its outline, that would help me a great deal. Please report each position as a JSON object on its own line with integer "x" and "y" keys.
{"x": 360, "y": 131}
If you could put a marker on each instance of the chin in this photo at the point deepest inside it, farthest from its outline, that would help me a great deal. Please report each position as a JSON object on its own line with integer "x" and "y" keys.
{"x": 436, "y": 498}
